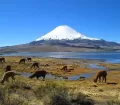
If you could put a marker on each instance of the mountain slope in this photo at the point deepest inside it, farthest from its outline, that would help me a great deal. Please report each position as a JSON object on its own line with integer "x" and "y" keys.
{"x": 66, "y": 36}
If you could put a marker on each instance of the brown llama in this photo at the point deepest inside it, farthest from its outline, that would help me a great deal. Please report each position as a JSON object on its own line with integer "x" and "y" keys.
{"x": 35, "y": 64}
{"x": 7, "y": 75}
{"x": 22, "y": 61}
{"x": 64, "y": 68}
{"x": 2, "y": 60}
{"x": 38, "y": 74}
{"x": 29, "y": 59}
{"x": 101, "y": 74}
{"x": 8, "y": 68}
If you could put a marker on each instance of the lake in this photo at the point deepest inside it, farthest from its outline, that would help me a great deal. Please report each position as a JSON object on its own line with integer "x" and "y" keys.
{"x": 111, "y": 57}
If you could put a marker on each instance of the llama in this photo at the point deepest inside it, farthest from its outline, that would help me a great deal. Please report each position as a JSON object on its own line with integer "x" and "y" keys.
{"x": 64, "y": 68}
{"x": 7, "y": 75}
{"x": 8, "y": 68}
{"x": 38, "y": 74}
{"x": 35, "y": 64}
{"x": 29, "y": 59}
{"x": 22, "y": 61}
{"x": 2, "y": 60}
{"x": 101, "y": 74}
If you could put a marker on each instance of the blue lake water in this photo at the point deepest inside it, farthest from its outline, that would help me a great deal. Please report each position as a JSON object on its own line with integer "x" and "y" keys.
{"x": 111, "y": 57}
{"x": 50, "y": 76}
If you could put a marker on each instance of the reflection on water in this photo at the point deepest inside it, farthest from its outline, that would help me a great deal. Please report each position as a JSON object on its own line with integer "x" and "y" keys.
{"x": 50, "y": 76}
{"x": 94, "y": 66}
{"x": 76, "y": 77}
{"x": 112, "y": 57}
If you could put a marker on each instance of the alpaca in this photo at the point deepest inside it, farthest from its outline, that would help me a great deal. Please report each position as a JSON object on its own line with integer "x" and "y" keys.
{"x": 8, "y": 68}
{"x": 38, "y": 74}
{"x": 101, "y": 74}
{"x": 64, "y": 68}
{"x": 2, "y": 60}
{"x": 7, "y": 75}
{"x": 35, "y": 64}
{"x": 29, "y": 59}
{"x": 22, "y": 61}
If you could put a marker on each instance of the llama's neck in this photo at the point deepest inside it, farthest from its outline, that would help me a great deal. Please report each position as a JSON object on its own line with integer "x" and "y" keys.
{"x": 3, "y": 79}
{"x": 32, "y": 76}
{"x": 96, "y": 78}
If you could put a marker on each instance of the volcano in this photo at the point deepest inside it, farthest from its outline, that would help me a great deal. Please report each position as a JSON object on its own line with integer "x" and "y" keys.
{"x": 64, "y": 39}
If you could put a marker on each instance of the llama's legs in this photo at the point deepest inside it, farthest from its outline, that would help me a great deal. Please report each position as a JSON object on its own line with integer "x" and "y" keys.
{"x": 66, "y": 69}
{"x": 105, "y": 79}
{"x": 99, "y": 79}
{"x": 7, "y": 79}
{"x": 37, "y": 66}
{"x": 37, "y": 77}
{"x": 43, "y": 77}
{"x": 13, "y": 78}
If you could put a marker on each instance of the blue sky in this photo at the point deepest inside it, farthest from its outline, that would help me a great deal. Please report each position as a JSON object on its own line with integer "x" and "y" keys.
{"x": 23, "y": 21}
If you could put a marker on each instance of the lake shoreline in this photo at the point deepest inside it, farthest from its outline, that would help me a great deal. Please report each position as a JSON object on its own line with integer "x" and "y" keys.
{"x": 110, "y": 57}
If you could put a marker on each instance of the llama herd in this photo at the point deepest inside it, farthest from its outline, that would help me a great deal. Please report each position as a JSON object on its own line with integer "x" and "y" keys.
{"x": 101, "y": 75}
{"x": 11, "y": 74}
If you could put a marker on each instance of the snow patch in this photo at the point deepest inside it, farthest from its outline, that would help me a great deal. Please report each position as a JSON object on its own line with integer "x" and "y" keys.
{"x": 64, "y": 32}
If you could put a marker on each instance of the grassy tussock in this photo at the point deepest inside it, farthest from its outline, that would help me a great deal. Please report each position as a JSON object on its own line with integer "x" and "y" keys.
{"x": 10, "y": 97}
{"x": 53, "y": 93}
{"x": 113, "y": 102}
{"x": 23, "y": 91}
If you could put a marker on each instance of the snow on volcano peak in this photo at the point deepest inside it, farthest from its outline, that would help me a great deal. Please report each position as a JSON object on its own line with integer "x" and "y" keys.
{"x": 64, "y": 32}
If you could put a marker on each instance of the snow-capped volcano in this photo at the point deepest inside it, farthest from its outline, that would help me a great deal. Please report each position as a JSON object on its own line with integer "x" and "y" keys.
{"x": 64, "y": 39}
{"x": 64, "y": 32}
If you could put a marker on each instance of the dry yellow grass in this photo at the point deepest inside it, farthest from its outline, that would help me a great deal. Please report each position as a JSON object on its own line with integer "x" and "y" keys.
{"x": 100, "y": 92}
{"x": 49, "y": 64}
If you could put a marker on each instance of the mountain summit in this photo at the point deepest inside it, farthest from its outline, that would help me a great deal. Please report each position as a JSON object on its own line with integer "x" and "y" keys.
{"x": 64, "y": 32}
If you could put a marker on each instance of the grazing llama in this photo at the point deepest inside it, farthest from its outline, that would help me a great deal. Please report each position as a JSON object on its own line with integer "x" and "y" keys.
{"x": 35, "y": 64}
{"x": 64, "y": 68}
{"x": 29, "y": 59}
{"x": 2, "y": 60}
{"x": 38, "y": 74}
{"x": 7, "y": 75}
{"x": 22, "y": 61}
{"x": 101, "y": 74}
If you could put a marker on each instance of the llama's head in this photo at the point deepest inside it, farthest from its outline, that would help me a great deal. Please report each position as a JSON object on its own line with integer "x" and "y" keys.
{"x": 95, "y": 80}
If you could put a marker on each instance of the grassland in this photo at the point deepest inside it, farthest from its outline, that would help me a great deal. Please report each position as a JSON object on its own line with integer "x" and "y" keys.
{"x": 25, "y": 91}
